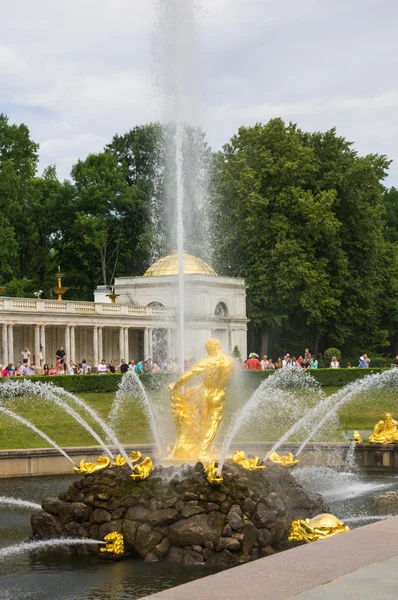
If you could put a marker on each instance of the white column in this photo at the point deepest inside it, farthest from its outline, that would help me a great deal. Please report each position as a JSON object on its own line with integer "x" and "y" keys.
{"x": 37, "y": 347}
{"x": 100, "y": 344}
{"x": 95, "y": 347}
{"x": 72, "y": 343}
{"x": 43, "y": 341}
{"x": 150, "y": 342}
{"x": 4, "y": 345}
{"x": 146, "y": 343}
{"x": 67, "y": 343}
{"x": 126, "y": 344}
{"x": 10, "y": 344}
{"x": 169, "y": 351}
{"x": 121, "y": 343}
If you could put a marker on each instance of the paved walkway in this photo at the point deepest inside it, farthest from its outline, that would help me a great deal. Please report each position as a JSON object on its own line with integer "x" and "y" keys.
{"x": 360, "y": 564}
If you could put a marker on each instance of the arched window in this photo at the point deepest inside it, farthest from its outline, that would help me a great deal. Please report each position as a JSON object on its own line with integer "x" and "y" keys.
{"x": 156, "y": 304}
{"x": 221, "y": 310}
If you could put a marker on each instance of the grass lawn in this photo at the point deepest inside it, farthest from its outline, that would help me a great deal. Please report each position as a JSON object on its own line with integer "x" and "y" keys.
{"x": 361, "y": 413}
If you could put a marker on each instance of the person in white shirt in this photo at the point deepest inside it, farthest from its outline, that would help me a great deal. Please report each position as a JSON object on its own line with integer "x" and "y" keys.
{"x": 264, "y": 363}
{"x": 71, "y": 368}
{"x": 25, "y": 356}
{"x": 335, "y": 363}
{"x": 102, "y": 368}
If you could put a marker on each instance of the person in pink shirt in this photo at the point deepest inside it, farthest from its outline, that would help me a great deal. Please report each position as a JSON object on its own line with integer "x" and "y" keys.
{"x": 7, "y": 371}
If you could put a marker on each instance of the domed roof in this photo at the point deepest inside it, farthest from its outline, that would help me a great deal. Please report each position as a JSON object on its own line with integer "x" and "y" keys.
{"x": 168, "y": 265}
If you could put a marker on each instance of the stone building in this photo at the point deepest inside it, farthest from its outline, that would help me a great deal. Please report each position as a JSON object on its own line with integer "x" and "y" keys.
{"x": 140, "y": 323}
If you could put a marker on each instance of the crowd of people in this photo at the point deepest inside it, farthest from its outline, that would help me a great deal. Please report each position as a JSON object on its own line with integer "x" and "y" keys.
{"x": 307, "y": 361}
{"x": 61, "y": 366}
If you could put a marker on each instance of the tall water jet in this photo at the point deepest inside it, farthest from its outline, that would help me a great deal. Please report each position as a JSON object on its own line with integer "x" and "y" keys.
{"x": 39, "y": 432}
{"x": 129, "y": 388}
{"x": 178, "y": 85}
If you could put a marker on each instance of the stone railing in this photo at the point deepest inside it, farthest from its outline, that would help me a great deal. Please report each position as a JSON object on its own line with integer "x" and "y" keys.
{"x": 32, "y": 305}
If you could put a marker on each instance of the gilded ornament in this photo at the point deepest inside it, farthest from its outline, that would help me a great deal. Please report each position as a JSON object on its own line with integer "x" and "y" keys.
{"x": 119, "y": 461}
{"x": 135, "y": 455}
{"x": 114, "y": 543}
{"x": 198, "y": 411}
{"x": 250, "y": 464}
{"x": 286, "y": 461}
{"x": 385, "y": 432}
{"x": 320, "y": 527}
{"x": 212, "y": 476}
{"x": 86, "y": 468}
{"x": 142, "y": 470}
{"x": 357, "y": 437}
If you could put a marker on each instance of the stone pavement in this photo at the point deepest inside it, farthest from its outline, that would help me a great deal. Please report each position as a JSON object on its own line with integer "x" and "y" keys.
{"x": 361, "y": 563}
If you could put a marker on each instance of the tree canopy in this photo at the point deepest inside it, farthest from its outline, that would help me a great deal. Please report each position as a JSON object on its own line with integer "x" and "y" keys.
{"x": 300, "y": 215}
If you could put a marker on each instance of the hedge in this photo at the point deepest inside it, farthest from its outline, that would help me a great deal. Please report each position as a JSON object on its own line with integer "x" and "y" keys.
{"x": 109, "y": 383}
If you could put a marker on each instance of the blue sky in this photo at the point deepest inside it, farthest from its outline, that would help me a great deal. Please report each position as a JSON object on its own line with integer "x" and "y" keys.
{"x": 77, "y": 72}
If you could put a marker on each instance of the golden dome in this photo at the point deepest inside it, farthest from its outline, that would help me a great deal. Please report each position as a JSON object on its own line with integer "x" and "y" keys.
{"x": 168, "y": 265}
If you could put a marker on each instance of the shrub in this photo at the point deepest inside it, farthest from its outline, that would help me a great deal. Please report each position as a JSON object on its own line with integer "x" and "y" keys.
{"x": 328, "y": 355}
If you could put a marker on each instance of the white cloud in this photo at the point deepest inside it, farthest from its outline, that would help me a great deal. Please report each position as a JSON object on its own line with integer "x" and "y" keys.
{"x": 76, "y": 72}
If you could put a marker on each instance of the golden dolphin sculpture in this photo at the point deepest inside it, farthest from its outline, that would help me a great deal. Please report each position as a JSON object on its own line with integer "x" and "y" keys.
{"x": 114, "y": 543}
{"x": 286, "y": 461}
{"x": 142, "y": 470}
{"x": 250, "y": 464}
{"x": 320, "y": 527}
{"x": 86, "y": 468}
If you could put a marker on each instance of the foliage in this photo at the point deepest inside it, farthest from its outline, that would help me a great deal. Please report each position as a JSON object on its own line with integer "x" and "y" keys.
{"x": 236, "y": 352}
{"x": 300, "y": 216}
{"x": 329, "y": 353}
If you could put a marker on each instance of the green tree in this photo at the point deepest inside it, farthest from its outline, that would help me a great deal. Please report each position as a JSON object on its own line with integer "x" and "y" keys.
{"x": 300, "y": 216}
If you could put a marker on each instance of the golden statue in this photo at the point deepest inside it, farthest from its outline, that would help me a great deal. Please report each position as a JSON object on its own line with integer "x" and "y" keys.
{"x": 198, "y": 411}
{"x": 86, "y": 468}
{"x": 357, "y": 437}
{"x": 310, "y": 530}
{"x": 250, "y": 464}
{"x": 212, "y": 476}
{"x": 135, "y": 455}
{"x": 385, "y": 432}
{"x": 114, "y": 543}
{"x": 119, "y": 461}
{"x": 142, "y": 470}
{"x": 286, "y": 461}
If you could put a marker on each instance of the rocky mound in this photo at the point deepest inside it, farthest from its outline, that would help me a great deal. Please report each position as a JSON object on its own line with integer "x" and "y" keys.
{"x": 176, "y": 515}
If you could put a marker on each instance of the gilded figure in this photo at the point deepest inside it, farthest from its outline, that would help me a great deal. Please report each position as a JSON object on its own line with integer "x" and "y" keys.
{"x": 142, "y": 470}
{"x": 86, "y": 468}
{"x": 250, "y": 464}
{"x": 357, "y": 437}
{"x": 286, "y": 461}
{"x": 114, "y": 543}
{"x": 320, "y": 527}
{"x": 198, "y": 411}
{"x": 385, "y": 432}
{"x": 212, "y": 476}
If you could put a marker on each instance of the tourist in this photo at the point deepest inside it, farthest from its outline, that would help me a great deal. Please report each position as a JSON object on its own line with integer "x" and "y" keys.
{"x": 101, "y": 369}
{"x": 7, "y": 372}
{"x": 270, "y": 364}
{"x": 85, "y": 368}
{"x": 278, "y": 364}
{"x": 25, "y": 355}
{"x": 60, "y": 355}
{"x": 18, "y": 371}
{"x": 155, "y": 368}
{"x": 363, "y": 364}
{"x": 163, "y": 366}
{"x": 41, "y": 354}
{"x": 123, "y": 366}
{"x": 285, "y": 360}
{"x": 71, "y": 368}
{"x": 52, "y": 370}
{"x": 139, "y": 367}
{"x": 367, "y": 360}
{"x": 349, "y": 366}
{"x": 148, "y": 365}
{"x": 313, "y": 362}
{"x": 63, "y": 369}
{"x": 111, "y": 367}
{"x": 45, "y": 369}
{"x": 264, "y": 363}
{"x": 131, "y": 366}
{"x": 335, "y": 363}
{"x": 252, "y": 363}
